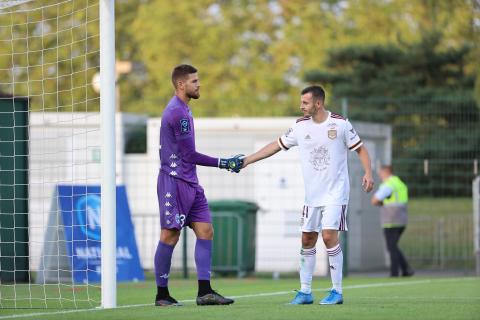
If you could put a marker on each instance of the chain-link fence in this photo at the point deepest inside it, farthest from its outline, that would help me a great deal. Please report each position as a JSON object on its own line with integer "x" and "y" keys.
{"x": 440, "y": 243}
{"x": 435, "y": 150}
{"x": 435, "y": 141}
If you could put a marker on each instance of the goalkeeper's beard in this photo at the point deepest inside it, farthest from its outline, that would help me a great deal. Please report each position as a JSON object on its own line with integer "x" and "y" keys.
{"x": 193, "y": 95}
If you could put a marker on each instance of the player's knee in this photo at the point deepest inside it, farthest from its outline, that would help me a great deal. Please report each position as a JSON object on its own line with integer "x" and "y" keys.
{"x": 329, "y": 239}
{"x": 205, "y": 233}
{"x": 169, "y": 237}
{"x": 309, "y": 240}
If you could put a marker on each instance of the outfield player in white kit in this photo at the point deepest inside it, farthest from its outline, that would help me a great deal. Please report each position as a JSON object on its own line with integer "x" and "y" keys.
{"x": 323, "y": 138}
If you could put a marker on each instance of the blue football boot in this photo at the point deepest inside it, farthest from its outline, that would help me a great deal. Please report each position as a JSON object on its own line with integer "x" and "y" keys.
{"x": 302, "y": 298}
{"x": 333, "y": 298}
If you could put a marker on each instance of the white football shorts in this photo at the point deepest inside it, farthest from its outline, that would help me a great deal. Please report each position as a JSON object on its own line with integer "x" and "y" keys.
{"x": 332, "y": 217}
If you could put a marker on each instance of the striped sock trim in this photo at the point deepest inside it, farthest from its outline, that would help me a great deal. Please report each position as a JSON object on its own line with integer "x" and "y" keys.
{"x": 334, "y": 251}
{"x": 308, "y": 252}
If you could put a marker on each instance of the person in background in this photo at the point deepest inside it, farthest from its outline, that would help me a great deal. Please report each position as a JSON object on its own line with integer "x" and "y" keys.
{"x": 392, "y": 198}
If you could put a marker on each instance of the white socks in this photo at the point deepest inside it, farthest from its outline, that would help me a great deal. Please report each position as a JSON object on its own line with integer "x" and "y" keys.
{"x": 307, "y": 265}
{"x": 335, "y": 259}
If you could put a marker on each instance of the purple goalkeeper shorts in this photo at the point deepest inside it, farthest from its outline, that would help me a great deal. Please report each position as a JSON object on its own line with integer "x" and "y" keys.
{"x": 181, "y": 203}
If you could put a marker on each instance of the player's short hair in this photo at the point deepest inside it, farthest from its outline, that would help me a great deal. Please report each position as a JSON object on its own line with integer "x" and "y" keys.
{"x": 181, "y": 72}
{"x": 387, "y": 167}
{"x": 317, "y": 92}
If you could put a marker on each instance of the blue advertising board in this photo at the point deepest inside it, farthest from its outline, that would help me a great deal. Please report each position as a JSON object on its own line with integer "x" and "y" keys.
{"x": 80, "y": 211}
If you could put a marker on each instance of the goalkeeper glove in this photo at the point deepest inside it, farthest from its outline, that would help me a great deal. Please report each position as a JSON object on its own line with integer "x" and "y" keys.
{"x": 233, "y": 164}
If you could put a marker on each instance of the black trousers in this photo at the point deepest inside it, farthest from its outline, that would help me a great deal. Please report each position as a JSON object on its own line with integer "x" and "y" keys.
{"x": 397, "y": 259}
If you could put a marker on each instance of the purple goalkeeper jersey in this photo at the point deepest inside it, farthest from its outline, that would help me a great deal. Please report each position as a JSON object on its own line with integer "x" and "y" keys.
{"x": 178, "y": 157}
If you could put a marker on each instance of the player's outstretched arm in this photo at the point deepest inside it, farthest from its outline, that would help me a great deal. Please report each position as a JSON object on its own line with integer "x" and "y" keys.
{"x": 367, "y": 180}
{"x": 267, "y": 151}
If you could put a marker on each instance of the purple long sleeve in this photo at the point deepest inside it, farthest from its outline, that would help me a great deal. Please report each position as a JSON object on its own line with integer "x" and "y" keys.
{"x": 186, "y": 148}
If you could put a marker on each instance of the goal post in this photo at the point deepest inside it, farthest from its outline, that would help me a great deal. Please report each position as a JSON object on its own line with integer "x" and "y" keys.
{"x": 107, "y": 107}
{"x": 57, "y": 154}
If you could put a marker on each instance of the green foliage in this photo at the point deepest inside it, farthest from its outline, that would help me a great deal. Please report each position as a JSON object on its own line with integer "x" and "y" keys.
{"x": 252, "y": 55}
{"x": 51, "y": 55}
{"x": 419, "y": 70}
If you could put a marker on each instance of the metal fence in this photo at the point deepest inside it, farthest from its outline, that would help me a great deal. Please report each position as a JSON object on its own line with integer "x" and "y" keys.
{"x": 435, "y": 140}
{"x": 440, "y": 243}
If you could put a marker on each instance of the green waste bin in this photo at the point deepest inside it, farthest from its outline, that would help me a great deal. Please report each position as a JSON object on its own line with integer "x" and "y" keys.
{"x": 234, "y": 222}
{"x": 14, "y": 264}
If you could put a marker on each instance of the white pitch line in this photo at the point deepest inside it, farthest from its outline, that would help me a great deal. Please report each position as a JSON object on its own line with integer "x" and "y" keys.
{"x": 266, "y": 294}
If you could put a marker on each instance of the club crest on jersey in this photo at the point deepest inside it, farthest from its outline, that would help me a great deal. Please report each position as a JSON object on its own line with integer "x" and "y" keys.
{"x": 184, "y": 126}
{"x": 307, "y": 137}
{"x": 332, "y": 134}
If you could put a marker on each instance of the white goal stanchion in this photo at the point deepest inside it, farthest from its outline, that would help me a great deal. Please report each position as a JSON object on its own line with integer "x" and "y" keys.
{"x": 107, "y": 104}
{"x": 57, "y": 154}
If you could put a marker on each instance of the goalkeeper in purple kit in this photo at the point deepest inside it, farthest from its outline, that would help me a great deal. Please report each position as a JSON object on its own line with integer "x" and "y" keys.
{"x": 181, "y": 199}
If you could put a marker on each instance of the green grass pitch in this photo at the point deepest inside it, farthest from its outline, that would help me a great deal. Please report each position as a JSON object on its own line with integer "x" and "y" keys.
{"x": 365, "y": 298}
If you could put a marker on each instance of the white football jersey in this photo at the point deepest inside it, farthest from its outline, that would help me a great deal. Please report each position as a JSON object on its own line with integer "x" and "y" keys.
{"x": 323, "y": 152}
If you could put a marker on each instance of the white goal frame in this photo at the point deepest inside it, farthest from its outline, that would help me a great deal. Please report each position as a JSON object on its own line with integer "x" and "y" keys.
{"x": 107, "y": 110}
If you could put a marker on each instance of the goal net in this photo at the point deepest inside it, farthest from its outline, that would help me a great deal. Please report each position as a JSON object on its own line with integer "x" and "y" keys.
{"x": 50, "y": 146}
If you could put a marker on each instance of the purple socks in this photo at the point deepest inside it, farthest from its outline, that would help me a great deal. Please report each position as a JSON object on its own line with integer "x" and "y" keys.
{"x": 203, "y": 258}
{"x": 163, "y": 261}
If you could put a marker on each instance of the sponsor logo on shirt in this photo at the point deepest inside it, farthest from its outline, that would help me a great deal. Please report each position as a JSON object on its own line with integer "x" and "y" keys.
{"x": 307, "y": 137}
{"x": 354, "y": 134}
{"x": 332, "y": 134}
{"x": 288, "y": 132}
{"x": 184, "y": 126}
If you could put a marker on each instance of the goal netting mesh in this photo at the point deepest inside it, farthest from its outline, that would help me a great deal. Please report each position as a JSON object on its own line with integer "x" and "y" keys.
{"x": 49, "y": 154}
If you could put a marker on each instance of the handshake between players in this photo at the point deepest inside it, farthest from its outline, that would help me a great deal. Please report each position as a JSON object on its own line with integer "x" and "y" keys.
{"x": 233, "y": 164}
